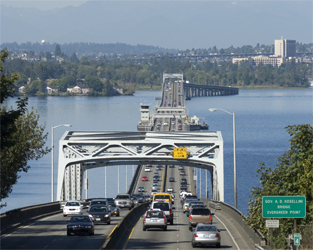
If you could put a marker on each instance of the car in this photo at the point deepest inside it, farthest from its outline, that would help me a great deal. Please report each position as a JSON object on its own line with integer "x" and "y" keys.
{"x": 171, "y": 179}
{"x": 180, "y": 167}
{"x": 183, "y": 188}
{"x": 158, "y": 168}
{"x": 154, "y": 218}
{"x": 200, "y": 215}
{"x": 182, "y": 172}
{"x": 72, "y": 207}
{"x": 99, "y": 214}
{"x": 205, "y": 234}
{"x": 171, "y": 166}
{"x": 147, "y": 169}
{"x": 154, "y": 189}
{"x": 80, "y": 224}
{"x": 124, "y": 201}
{"x": 166, "y": 207}
{"x": 165, "y": 123}
{"x": 141, "y": 189}
{"x": 138, "y": 196}
{"x": 99, "y": 201}
{"x": 156, "y": 178}
{"x": 183, "y": 181}
{"x": 115, "y": 210}
{"x": 186, "y": 203}
{"x": 194, "y": 204}
{"x": 170, "y": 189}
{"x": 144, "y": 178}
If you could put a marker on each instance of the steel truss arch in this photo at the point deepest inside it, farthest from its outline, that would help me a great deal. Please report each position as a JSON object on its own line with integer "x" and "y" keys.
{"x": 83, "y": 150}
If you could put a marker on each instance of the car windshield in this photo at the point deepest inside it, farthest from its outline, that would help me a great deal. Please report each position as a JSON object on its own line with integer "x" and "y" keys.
{"x": 98, "y": 209}
{"x": 154, "y": 214}
{"x": 97, "y": 202}
{"x": 80, "y": 219}
{"x": 162, "y": 206}
{"x": 122, "y": 197}
{"x": 206, "y": 228}
{"x": 72, "y": 204}
{"x": 200, "y": 212}
{"x": 162, "y": 197}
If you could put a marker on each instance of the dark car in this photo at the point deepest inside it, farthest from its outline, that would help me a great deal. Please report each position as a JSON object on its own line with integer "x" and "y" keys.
{"x": 183, "y": 187}
{"x": 100, "y": 214}
{"x": 183, "y": 181}
{"x": 80, "y": 224}
{"x": 115, "y": 210}
{"x": 171, "y": 166}
{"x": 171, "y": 179}
{"x": 158, "y": 168}
{"x": 182, "y": 172}
{"x": 156, "y": 178}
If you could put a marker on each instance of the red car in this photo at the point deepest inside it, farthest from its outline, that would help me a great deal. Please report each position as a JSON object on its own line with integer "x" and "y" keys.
{"x": 144, "y": 178}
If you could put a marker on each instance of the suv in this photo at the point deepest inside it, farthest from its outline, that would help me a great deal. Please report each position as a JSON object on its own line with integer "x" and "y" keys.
{"x": 100, "y": 201}
{"x": 124, "y": 200}
{"x": 166, "y": 207}
{"x": 200, "y": 215}
{"x": 183, "y": 181}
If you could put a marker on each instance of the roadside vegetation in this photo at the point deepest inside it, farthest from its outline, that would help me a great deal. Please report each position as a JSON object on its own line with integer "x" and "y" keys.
{"x": 22, "y": 138}
{"x": 292, "y": 176}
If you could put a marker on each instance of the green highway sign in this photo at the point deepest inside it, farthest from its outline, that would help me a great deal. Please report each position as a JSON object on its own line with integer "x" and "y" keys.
{"x": 283, "y": 206}
{"x": 296, "y": 239}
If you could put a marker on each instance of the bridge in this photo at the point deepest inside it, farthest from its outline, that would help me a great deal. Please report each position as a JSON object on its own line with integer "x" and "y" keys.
{"x": 81, "y": 150}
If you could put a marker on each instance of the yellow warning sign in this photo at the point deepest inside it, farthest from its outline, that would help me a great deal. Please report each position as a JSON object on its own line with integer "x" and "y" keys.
{"x": 180, "y": 153}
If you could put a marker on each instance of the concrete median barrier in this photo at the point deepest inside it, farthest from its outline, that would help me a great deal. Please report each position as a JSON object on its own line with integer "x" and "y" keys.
{"x": 121, "y": 232}
{"x": 16, "y": 217}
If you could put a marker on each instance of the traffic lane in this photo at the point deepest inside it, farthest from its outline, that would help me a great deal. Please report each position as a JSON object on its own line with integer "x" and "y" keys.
{"x": 50, "y": 233}
{"x": 177, "y": 236}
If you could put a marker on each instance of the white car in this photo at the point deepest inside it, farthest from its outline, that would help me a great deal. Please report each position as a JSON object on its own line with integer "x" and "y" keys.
{"x": 147, "y": 169}
{"x": 170, "y": 189}
{"x": 72, "y": 207}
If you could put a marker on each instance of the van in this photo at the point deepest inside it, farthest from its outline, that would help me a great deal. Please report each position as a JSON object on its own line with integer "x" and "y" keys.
{"x": 162, "y": 197}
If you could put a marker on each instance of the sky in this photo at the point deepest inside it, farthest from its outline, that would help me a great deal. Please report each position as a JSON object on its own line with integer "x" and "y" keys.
{"x": 42, "y": 4}
{"x": 173, "y": 24}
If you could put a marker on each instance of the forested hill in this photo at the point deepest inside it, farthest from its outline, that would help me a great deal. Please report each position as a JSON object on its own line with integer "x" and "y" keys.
{"x": 87, "y": 48}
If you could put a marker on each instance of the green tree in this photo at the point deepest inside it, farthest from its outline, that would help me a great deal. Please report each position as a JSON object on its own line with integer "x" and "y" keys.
{"x": 22, "y": 138}
{"x": 57, "y": 51}
{"x": 66, "y": 82}
{"x": 293, "y": 175}
{"x": 94, "y": 83}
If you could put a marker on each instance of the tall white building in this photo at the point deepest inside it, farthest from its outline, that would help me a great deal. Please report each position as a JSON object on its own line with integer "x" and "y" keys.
{"x": 285, "y": 48}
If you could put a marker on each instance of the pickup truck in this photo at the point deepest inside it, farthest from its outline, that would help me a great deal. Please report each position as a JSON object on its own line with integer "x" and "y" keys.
{"x": 124, "y": 201}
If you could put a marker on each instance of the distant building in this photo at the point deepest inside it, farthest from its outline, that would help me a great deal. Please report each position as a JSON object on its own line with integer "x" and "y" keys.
{"x": 119, "y": 90}
{"x": 285, "y": 48}
{"x": 78, "y": 89}
{"x": 256, "y": 60}
{"x": 52, "y": 89}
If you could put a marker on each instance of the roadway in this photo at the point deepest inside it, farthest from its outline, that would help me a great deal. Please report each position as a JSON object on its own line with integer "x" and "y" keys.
{"x": 50, "y": 233}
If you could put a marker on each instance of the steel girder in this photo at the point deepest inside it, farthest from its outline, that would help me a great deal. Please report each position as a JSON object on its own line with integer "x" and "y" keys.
{"x": 83, "y": 150}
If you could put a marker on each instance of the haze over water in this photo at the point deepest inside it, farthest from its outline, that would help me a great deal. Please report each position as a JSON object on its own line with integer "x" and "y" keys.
{"x": 261, "y": 116}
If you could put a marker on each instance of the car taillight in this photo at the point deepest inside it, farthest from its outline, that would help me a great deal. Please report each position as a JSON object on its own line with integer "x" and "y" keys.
{"x": 144, "y": 219}
{"x": 190, "y": 217}
{"x": 165, "y": 220}
{"x": 171, "y": 211}
{"x": 195, "y": 235}
{"x": 210, "y": 217}
{"x": 217, "y": 235}
{"x": 188, "y": 207}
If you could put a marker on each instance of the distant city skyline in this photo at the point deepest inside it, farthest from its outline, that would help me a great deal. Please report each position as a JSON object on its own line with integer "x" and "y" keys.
{"x": 168, "y": 24}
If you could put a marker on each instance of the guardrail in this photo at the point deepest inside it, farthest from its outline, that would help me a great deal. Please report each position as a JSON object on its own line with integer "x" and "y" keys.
{"x": 132, "y": 185}
{"x": 17, "y": 217}
{"x": 257, "y": 237}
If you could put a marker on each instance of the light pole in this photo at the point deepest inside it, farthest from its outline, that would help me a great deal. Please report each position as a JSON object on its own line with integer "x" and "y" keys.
{"x": 52, "y": 156}
{"x": 234, "y": 139}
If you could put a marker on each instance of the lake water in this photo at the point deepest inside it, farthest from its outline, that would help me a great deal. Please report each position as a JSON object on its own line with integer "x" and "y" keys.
{"x": 261, "y": 116}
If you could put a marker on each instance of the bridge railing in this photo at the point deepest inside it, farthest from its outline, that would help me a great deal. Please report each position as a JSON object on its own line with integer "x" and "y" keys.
{"x": 257, "y": 237}
{"x": 17, "y": 217}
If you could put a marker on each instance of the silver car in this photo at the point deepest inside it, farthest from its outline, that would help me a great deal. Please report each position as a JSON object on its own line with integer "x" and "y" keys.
{"x": 206, "y": 234}
{"x": 154, "y": 218}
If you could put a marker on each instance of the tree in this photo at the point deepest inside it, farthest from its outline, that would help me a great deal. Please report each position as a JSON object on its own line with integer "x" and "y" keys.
{"x": 57, "y": 51}
{"x": 22, "y": 138}
{"x": 293, "y": 176}
{"x": 94, "y": 83}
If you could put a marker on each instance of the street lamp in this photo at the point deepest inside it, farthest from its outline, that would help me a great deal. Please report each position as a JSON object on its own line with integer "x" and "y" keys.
{"x": 234, "y": 139}
{"x": 52, "y": 155}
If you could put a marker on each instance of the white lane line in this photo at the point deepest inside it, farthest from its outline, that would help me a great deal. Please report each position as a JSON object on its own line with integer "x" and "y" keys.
{"x": 231, "y": 236}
